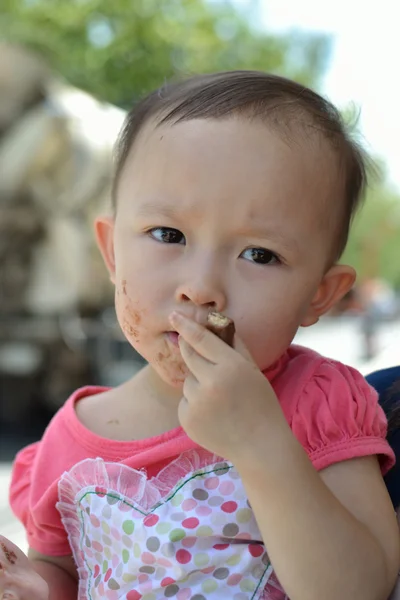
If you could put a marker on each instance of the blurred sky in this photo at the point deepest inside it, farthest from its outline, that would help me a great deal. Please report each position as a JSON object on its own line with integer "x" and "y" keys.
{"x": 365, "y": 60}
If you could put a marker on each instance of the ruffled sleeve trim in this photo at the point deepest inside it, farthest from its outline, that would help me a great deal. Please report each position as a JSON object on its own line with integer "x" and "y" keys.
{"x": 355, "y": 448}
{"x": 337, "y": 417}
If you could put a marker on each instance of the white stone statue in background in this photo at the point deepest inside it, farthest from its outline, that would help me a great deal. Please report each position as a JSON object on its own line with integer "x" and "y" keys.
{"x": 55, "y": 174}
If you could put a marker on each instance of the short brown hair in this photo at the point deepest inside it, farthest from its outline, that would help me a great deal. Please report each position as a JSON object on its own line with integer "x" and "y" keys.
{"x": 252, "y": 94}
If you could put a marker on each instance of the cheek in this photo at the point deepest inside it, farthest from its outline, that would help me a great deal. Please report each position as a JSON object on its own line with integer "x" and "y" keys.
{"x": 130, "y": 313}
{"x": 133, "y": 318}
{"x": 267, "y": 338}
{"x": 269, "y": 324}
{"x": 170, "y": 367}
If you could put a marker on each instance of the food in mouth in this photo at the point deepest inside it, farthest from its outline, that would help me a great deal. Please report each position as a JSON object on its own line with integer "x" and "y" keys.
{"x": 221, "y": 326}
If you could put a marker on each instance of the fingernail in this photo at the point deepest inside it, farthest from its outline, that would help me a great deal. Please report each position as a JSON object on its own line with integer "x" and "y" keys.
{"x": 175, "y": 317}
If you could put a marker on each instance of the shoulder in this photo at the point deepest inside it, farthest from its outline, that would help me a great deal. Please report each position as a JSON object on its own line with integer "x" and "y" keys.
{"x": 113, "y": 414}
{"x": 93, "y": 411}
{"x": 35, "y": 475}
{"x": 37, "y": 466}
{"x": 65, "y": 430}
{"x": 332, "y": 410}
{"x": 307, "y": 375}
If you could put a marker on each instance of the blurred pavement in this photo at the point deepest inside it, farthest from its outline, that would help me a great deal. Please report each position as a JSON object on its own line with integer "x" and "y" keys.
{"x": 341, "y": 338}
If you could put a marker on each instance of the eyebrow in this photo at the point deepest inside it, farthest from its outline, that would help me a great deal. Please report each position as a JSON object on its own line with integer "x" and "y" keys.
{"x": 148, "y": 210}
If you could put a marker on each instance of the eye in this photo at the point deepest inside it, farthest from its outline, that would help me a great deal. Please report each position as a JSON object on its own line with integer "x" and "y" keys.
{"x": 167, "y": 235}
{"x": 260, "y": 256}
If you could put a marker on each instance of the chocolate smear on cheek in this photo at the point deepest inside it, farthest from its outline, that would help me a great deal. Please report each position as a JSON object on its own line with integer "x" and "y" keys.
{"x": 129, "y": 330}
{"x": 170, "y": 362}
{"x": 131, "y": 317}
{"x": 134, "y": 315}
{"x": 162, "y": 356}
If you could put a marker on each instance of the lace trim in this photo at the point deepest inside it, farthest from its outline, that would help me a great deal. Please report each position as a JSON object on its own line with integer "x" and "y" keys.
{"x": 132, "y": 484}
{"x": 127, "y": 483}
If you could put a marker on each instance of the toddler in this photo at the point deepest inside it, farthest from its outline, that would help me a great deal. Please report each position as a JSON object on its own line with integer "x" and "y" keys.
{"x": 244, "y": 472}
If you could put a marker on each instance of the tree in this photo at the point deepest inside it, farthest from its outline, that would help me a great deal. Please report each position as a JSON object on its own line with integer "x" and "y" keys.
{"x": 118, "y": 50}
{"x": 374, "y": 244}
{"x": 121, "y": 49}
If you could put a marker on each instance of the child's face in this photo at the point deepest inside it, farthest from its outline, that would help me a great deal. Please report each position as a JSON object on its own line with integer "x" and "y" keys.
{"x": 227, "y": 215}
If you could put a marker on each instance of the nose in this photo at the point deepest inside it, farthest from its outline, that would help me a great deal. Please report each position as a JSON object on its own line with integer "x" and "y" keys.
{"x": 202, "y": 289}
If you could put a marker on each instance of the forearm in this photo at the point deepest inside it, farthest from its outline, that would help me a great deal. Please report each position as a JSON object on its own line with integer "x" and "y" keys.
{"x": 318, "y": 549}
{"x": 61, "y": 585}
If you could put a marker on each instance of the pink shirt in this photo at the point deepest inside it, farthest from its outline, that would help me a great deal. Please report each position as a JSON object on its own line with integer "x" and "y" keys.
{"x": 330, "y": 408}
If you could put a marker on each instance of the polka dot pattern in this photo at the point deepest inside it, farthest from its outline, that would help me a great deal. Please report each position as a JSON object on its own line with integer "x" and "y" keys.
{"x": 193, "y": 545}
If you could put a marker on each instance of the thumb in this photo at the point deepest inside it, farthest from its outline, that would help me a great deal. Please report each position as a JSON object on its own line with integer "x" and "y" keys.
{"x": 9, "y": 552}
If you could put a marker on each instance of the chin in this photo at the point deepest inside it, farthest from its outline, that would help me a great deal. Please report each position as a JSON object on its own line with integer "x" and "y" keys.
{"x": 174, "y": 377}
{"x": 165, "y": 361}
{"x": 177, "y": 384}
{"x": 171, "y": 370}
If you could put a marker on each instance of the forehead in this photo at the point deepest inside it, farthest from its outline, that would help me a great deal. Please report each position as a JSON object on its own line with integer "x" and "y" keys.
{"x": 237, "y": 163}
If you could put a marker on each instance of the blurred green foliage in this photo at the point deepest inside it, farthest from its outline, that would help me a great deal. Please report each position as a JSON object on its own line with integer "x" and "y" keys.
{"x": 119, "y": 49}
{"x": 374, "y": 244}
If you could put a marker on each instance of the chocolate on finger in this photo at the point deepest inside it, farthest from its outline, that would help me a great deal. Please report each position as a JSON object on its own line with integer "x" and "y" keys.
{"x": 11, "y": 557}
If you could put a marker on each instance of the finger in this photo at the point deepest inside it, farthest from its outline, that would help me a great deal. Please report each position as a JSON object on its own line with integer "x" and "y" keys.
{"x": 191, "y": 388}
{"x": 8, "y": 547}
{"x": 190, "y": 393}
{"x": 9, "y": 552}
{"x": 197, "y": 365}
{"x": 9, "y": 595}
{"x": 240, "y": 347}
{"x": 206, "y": 343}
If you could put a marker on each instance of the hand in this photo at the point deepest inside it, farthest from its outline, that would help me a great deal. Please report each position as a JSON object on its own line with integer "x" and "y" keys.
{"x": 18, "y": 579}
{"x": 227, "y": 401}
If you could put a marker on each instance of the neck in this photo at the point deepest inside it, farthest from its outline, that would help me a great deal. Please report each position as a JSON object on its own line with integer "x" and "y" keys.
{"x": 153, "y": 403}
{"x": 153, "y": 391}
{"x": 162, "y": 393}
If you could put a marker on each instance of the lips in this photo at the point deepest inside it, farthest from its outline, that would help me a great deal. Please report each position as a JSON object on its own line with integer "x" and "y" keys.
{"x": 173, "y": 337}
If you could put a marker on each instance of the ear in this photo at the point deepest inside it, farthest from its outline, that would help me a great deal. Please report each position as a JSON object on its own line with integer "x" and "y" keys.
{"x": 104, "y": 230}
{"x": 334, "y": 285}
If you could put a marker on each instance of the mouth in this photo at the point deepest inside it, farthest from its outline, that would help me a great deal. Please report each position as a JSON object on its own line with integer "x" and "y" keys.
{"x": 173, "y": 337}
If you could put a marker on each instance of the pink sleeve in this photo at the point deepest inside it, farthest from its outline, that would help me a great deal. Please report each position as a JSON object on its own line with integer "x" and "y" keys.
{"x": 337, "y": 417}
{"x": 37, "y": 470}
{"x": 21, "y": 482}
{"x": 34, "y": 489}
